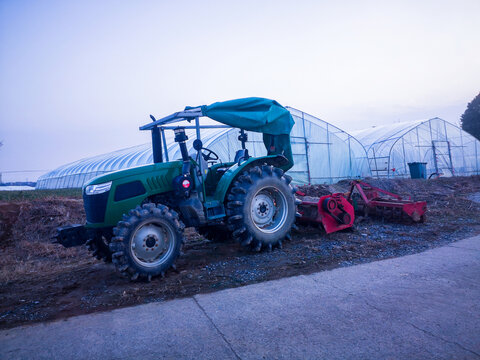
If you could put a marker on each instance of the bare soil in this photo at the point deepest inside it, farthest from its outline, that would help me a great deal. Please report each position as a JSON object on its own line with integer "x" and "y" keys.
{"x": 42, "y": 281}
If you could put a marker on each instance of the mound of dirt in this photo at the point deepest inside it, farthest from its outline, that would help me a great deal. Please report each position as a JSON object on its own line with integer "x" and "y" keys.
{"x": 26, "y": 243}
{"x": 8, "y": 216}
{"x": 38, "y": 220}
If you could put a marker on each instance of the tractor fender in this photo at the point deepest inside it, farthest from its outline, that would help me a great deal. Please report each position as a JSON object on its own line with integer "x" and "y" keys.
{"x": 235, "y": 170}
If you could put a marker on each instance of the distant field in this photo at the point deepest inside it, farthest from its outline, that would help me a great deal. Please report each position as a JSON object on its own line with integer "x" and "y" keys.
{"x": 39, "y": 194}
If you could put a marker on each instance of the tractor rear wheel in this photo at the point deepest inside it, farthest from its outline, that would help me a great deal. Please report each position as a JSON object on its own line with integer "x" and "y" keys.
{"x": 147, "y": 241}
{"x": 261, "y": 207}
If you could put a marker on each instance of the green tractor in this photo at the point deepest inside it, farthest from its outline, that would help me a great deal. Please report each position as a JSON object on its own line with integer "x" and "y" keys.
{"x": 136, "y": 217}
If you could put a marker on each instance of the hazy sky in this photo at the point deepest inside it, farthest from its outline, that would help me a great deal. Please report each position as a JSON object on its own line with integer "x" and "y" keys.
{"x": 77, "y": 78}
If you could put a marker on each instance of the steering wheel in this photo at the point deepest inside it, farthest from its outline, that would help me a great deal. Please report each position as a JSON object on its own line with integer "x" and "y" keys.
{"x": 209, "y": 155}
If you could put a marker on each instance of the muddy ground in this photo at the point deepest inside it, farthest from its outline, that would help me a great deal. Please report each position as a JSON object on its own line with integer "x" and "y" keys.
{"x": 43, "y": 281}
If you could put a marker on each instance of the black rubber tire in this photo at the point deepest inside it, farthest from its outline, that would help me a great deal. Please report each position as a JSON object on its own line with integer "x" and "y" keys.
{"x": 239, "y": 202}
{"x": 120, "y": 246}
{"x": 215, "y": 233}
{"x": 99, "y": 246}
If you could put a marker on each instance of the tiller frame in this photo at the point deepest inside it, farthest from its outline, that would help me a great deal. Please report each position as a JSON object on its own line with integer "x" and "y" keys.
{"x": 392, "y": 206}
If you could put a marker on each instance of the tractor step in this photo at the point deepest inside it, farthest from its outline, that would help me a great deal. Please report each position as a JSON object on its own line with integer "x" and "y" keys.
{"x": 215, "y": 210}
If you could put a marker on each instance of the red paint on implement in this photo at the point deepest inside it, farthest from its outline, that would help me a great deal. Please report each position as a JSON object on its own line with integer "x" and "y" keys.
{"x": 370, "y": 198}
{"x": 333, "y": 211}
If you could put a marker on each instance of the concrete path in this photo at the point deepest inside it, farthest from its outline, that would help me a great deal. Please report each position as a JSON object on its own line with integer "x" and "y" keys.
{"x": 423, "y": 306}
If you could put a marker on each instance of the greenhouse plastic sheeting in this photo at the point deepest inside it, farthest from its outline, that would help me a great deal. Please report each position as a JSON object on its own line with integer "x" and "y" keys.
{"x": 322, "y": 153}
{"x": 445, "y": 148}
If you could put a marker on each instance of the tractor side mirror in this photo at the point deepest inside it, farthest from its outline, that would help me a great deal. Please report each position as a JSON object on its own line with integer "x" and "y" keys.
{"x": 152, "y": 117}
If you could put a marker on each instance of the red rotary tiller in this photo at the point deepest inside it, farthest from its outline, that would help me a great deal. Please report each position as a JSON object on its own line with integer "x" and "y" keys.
{"x": 336, "y": 212}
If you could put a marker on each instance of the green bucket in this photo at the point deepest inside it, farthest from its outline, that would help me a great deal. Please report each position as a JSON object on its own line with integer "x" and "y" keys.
{"x": 418, "y": 170}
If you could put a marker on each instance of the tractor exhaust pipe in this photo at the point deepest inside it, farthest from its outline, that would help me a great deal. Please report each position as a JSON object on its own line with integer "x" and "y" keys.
{"x": 181, "y": 138}
{"x": 157, "y": 145}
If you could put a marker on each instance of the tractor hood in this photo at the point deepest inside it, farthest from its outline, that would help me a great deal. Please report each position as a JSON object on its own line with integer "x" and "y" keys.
{"x": 259, "y": 115}
{"x": 133, "y": 172}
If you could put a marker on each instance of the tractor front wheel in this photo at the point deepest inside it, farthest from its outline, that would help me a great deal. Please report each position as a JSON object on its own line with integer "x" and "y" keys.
{"x": 147, "y": 241}
{"x": 261, "y": 207}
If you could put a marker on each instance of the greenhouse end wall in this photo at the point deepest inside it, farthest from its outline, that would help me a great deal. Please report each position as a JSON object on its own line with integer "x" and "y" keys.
{"x": 325, "y": 154}
{"x": 446, "y": 149}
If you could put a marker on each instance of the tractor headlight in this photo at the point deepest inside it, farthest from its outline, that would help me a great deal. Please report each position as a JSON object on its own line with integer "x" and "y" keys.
{"x": 98, "y": 189}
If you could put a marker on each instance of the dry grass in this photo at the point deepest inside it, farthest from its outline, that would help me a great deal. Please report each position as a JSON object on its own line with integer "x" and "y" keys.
{"x": 27, "y": 246}
{"x": 40, "y": 194}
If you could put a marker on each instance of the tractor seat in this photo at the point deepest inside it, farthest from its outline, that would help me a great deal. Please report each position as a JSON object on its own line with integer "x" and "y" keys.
{"x": 241, "y": 154}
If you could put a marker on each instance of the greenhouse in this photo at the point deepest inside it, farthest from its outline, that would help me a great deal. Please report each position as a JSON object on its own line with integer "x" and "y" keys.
{"x": 445, "y": 149}
{"x": 322, "y": 153}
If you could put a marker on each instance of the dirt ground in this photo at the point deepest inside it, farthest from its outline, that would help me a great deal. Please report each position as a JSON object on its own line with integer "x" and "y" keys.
{"x": 42, "y": 281}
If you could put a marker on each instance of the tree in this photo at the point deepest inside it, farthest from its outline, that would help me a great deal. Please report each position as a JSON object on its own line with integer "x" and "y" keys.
{"x": 471, "y": 117}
